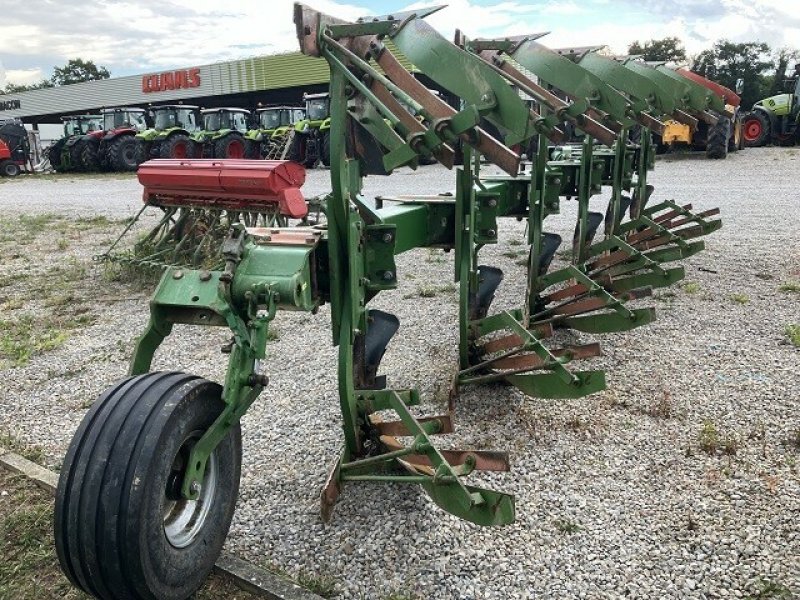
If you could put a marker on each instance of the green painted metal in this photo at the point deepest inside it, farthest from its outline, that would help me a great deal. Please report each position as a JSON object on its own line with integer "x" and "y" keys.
{"x": 352, "y": 259}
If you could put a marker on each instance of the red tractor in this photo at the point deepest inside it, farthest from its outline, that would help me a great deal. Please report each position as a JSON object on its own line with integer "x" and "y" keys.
{"x": 14, "y": 148}
{"x": 115, "y": 146}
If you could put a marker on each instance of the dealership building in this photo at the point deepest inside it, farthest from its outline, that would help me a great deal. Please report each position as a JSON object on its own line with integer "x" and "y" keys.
{"x": 244, "y": 83}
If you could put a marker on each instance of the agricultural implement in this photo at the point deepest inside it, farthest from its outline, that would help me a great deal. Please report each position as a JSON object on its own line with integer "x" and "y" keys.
{"x": 14, "y": 148}
{"x": 170, "y": 136}
{"x": 158, "y": 455}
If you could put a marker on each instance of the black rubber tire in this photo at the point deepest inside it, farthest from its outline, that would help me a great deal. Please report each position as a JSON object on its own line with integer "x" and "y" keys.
{"x": 143, "y": 151}
{"x": 121, "y": 153}
{"x": 762, "y": 139}
{"x": 171, "y": 147}
{"x": 230, "y": 146}
{"x": 8, "y": 168}
{"x": 717, "y": 139}
{"x": 297, "y": 149}
{"x": 54, "y": 154}
{"x": 112, "y": 491}
{"x": 253, "y": 150}
{"x": 90, "y": 155}
{"x": 75, "y": 154}
{"x": 325, "y": 146}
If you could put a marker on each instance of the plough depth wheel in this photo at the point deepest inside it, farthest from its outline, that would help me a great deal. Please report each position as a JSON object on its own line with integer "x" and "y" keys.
{"x": 122, "y": 528}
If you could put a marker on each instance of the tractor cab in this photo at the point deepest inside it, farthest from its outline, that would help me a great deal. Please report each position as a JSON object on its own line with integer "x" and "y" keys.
{"x": 81, "y": 124}
{"x": 124, "y": 118}
{"x": 318, "y": 107}
{"x": 172, "y": 116}
{"x": 273, "y": 117}
{"x": 222, "y": 119}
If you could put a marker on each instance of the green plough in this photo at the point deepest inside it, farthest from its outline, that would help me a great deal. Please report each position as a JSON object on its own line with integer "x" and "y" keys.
{"x": 159, "y": 453}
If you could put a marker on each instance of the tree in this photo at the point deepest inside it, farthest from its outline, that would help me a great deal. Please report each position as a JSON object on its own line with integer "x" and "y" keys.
{"x": 727, "y": 62}
{"x": 77, "y": 70}
{"x": 669, "y": 49}
{"x": 782, "y": 59}
{"x": 13, "y": 88}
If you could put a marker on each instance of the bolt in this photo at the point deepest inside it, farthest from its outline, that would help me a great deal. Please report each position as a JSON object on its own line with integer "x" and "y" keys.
{"x": 257, "y": 379}
{"x": 205, "y": 275}
{"x": 177, "y": 274}
{"x": 491, "y": 232}
{"x": 486, "y": 98}
{"x": 492, "y": 202}
{"x": 387, "y": 237}
{"x": 388, "y": 275}
{"x": 194, "y": 488}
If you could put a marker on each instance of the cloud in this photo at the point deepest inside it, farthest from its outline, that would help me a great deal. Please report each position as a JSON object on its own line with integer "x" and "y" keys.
{"x": 130, "y": 36}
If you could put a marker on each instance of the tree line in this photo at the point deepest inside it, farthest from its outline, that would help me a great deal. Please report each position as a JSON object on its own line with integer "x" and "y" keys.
{"x": 75, "y": 71}
{"x": 764, "y": 71}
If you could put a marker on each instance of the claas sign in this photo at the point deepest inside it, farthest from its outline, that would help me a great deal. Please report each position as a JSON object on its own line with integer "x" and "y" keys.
{"x": 171, "y": 80}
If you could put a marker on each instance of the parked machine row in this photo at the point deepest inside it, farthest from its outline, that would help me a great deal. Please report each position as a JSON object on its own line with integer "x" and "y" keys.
{"x": 120, "y": 139}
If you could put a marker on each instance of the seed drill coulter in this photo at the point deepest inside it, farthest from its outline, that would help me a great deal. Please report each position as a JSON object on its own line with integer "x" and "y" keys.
{"x": 149, "y": 484}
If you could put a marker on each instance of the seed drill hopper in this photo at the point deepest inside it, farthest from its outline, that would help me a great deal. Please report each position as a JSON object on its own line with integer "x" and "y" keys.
{"x": 159, "y": 453}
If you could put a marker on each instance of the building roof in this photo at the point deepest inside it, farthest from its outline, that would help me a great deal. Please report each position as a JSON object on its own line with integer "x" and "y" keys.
{"x": 258, "y": 73}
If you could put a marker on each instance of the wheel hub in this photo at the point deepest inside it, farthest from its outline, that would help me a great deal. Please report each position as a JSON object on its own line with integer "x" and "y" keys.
{"x": 184, "y": 519}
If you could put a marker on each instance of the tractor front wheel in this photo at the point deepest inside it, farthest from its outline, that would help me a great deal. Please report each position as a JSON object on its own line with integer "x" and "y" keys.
{"x": 326, "y": 149}
{"x": 756, "y": 130}
{"x": 143, "y": 151}
{"x": 54, "y": 155}
{"x": 8, "y": 168}
{"x": 122, "y": 153}
{"x": 90, "y": 157}
{"x": 230, "y": 146}
{"x": 177, "y": 146}
{"x": 122, "y": 528}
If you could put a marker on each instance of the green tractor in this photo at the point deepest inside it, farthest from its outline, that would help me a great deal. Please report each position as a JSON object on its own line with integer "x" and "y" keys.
{"x": 171, "y": 134}
{"x": 273, "y": 124}
{"x": 311, "y": 142}
{"x": 64, "y": 154}
{"x": 776, "y": 119}
{"x": 223, "y": 134}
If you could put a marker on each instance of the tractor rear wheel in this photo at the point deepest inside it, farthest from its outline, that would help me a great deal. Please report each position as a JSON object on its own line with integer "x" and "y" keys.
{"x": 75, "y": 152}
{"x": 121, "y": 153}
{"x": 90, "y": 156}
{"x": 756, "y": 130}
{"x": 717, "y": 138}
{"x": 177, "y": 146}
{"x": 253, "y": 149}
{"x": 8, "y": 168}
{"x": 229, "y": 146}
{"x": 297, "y": 149}
{"x": 122, "y": 528}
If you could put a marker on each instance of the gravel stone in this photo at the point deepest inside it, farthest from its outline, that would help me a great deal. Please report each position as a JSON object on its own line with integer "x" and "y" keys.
{"x": 655, "y": 516}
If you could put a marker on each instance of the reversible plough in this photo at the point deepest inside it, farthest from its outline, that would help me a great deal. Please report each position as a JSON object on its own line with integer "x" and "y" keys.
{"x": 151, "y": 477}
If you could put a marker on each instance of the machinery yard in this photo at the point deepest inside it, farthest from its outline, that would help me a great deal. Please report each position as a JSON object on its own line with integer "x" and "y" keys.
{"x": 679, "y": 480}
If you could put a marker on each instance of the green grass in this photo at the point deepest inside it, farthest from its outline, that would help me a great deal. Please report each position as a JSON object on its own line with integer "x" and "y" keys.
{"x": 567, "y": 526}
{"x": 790, "y": 286}
{"x": 691, "y": 287}
{"x": 792, "y": 332}
{"x": 27, "y": 336}
{"x": 771, "y": 590}
{"x": 708, "y": 439}
{"x": 321, "y": 585}
{"x": 11, "y": 442}
{"x": 740, "y": 298}
{"x": 431, "y": 291}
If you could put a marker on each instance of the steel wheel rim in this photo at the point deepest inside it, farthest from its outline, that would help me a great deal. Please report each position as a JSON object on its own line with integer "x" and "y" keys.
{"x": 184, "y": 519}
{"x": 752, "y": 130}
{"x": 180, "y": 150}
{"x": 236, "y": 149}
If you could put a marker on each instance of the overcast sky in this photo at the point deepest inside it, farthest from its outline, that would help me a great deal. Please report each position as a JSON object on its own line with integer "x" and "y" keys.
{"x": 140, "y": 36}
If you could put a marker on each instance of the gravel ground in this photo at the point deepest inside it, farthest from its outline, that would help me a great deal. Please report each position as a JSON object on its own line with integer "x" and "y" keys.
{"x": 616, "y": 496}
